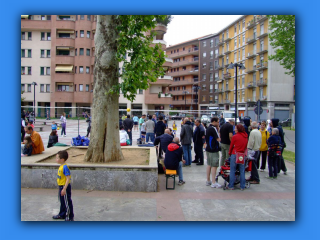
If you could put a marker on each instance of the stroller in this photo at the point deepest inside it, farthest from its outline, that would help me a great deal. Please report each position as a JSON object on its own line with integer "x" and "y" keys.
{"x": 225, "y": 172}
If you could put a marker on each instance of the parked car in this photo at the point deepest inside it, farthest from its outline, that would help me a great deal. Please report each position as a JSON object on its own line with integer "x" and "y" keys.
{"x": 205, "y": 119}
{"x": 286, "y": 123}
{"x": 177, "y": 116}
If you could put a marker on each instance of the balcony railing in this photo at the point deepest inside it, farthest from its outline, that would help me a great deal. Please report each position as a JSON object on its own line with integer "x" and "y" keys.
{"x": 251, "y": 24}
{"x": 195, "y": 79}
{"x": 226, "y": 101}
{"x": 262, "y": 49}
{"x": 227, "y": 51}
{"x": 262, "y": 34}
{"x": 261, "y": 18}
{"x": 264, "y": 98}
{"x": 252, "y": 38}
{"x": 251, "y": 69}
{"x": 262, "y": 82}
{"x": 251, "y": 54}
{"x": 216, "y": 78}
{"x": 227, "y": 76}
{"x": 251, "y": 85}
{"x": 221, "y": 90}
{"x": 220, "y": 66}
{"x": 220, "y": 55}
{"x": 166, "y": 95}
{"x": 228, "y": 38}
{"x": 221, "y": 41}
{"x": 251, "y": 99}
{"x": 262, "y": 65}
{"x": 227, "y": 89}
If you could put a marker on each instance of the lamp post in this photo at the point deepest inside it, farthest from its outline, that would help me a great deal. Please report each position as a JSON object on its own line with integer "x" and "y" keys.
{"x": 34, "y": 98}
{"x": 231, "y": 66}
{"x": 195, "y": 88}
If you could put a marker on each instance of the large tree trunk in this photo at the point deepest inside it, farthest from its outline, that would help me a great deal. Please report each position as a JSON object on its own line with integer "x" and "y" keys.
{"x": 104, "y": 142}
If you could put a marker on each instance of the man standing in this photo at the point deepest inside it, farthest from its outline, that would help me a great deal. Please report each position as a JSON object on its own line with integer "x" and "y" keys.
{"x": 141, "y": 121}
{"x": 226, "y": 133}
{"x": 164, "y": 140}
{"x": 198, "y": 140}
{"x": 128, "y": 125}
{"x": 281, "y": 164}
{"x": 150, "y": 129}
{"x": 222, "y": 120}
{"x": 186, "y": 140}
{"x": 37, "y": 144}
{"x": 254, "y": 144}
{"x": 212, "y": 151}
{"x": 173, "y": 159}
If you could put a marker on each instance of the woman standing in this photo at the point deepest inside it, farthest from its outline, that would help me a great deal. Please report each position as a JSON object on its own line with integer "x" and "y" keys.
{"x": 238, "y": 145}
{"x": 63, "y": 121}
{"x": 264, "y": 146}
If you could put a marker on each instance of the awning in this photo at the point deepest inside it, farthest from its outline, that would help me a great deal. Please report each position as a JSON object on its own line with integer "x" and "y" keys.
{"x": 65, "y": 31}
{"x": 24, "y": 16}
{"x": 63, "y": 48}
{"x": 64, "y": 68}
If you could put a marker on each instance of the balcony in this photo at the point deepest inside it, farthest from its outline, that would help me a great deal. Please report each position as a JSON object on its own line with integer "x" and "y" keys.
{"x": 220, "y": 90}
{"x": 226, "y": 76}
{"x": 220, "y": 55}
{"x": 163, "y": 81}
{"x": 153, "y": 98}
{"x": 264, "y": 98}
{"x": 251, "y": 54}
{"x": 166, "y": 95}
{"x": 251, "y": 69}
{"x": 181, "y": 102}
{"x": 262, "y": 34}
{"x": 179, "y": 73}
{"x": 63, "y": 96}
{"x": 186, "y": 62}
{"x": 262, "y": 49}
{"x": 251, "y": 24}
{"x": 28, "y": 24}
{"x": 252, "y": 38}
{"x": 263, "y": 65}
{"x": 226, "y": 101}
{"x": 262, "y": 82}
{"x": 64, "y": 60}
{"x": 220, "y": 80}
{"x": 65, "y": 42}
{"x": 226, "y": 64}
{"x": 261, "y": 18}
{"x": 181, "y": 92}
{"x": 189, "y": 51}
{"x": 64, "y": 77}
{"x": 168, "y": 63}
{"x": 216, "y": 78}
{"x": 221, "y": 41}
{"x": 251, "y": 99}
{"x": 65, "y": 24}
{"x": 251, "y": 85}
{"x": 194, "y": 71}
{"x": 227, "y": 89}
{"x": 227, "y": 51}
{"x": 220, "y": 66}
{"x": 227, "y": 39}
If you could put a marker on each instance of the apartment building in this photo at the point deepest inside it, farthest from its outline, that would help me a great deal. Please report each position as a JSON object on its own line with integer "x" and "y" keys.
{"x": 246, "y": 41}
{"x": 57, "y": 53}
{"x": 185, "y": 73}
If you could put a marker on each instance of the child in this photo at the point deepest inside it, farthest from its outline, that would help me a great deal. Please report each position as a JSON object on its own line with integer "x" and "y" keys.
{"x": 53, "y": 126}
{"x": 63, "y": 180}
{"x": 174, "y": 128}
{"x": 27, "y": 150}
{"x": 143, "y": 133}
{"x": 30, "y": 123}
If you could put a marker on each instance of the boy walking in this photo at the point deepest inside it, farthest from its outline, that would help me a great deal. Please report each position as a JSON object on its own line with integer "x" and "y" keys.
{"x": 63, "y": 180}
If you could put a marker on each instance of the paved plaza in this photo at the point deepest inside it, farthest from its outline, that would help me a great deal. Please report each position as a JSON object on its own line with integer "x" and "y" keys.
{"x": 271, "y": 200}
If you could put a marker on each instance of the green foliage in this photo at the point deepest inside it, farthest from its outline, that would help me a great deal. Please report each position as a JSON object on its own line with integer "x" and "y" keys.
{"x": 165, "y": 21}
{"x": 145, "y": 64}
{"x": 282, "y": 37}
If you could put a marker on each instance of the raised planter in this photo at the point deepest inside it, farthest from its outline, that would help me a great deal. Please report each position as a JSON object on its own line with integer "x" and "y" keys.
{"x": 132, "y": 178}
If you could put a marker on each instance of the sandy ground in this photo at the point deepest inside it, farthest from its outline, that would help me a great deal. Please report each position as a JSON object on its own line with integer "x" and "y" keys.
{"x": 131, "y": 157}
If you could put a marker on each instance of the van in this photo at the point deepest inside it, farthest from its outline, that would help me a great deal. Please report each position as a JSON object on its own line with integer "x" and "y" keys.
{"x": 230, "y": 115}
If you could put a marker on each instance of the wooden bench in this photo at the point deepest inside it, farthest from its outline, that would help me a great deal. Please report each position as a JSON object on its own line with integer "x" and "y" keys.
{"x": 38, "y": 128}
{"x": 171, "y": 174}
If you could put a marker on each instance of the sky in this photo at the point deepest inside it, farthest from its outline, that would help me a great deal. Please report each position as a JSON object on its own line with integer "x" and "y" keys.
{"x": 186, "y": 27}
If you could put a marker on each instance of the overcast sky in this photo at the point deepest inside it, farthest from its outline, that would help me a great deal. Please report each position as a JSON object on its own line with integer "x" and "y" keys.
{"x": 186, "y": 27}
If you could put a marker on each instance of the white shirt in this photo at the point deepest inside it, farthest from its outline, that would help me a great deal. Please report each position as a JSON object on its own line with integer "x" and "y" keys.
{"x": 123, "y": 136}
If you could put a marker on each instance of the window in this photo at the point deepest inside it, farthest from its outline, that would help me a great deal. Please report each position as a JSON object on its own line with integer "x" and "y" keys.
{"x": 216, "y": 52}
{"x": 216, "y": 64}
{"x": 243, "y": 54}
{"x": 242, "y": 96}
{"x": 227, "y": 35}
{"x": 216, "y": 98}
{"x": 211, "y": 43}
{"x": 75, "y": 69}
{"x": 29, "y": 88}
{"x": 227, "y": 49}
{"x": 204, "y": 44}
{"x": 89, "y": 17}
{"x": 64, "y": 88}
{"x": 22, "y": 88}
{"x": 81, "y": 51}
{"x": 75, "y": 87}
{"x": 204, "y": 87}
{"x": 41, "y": 70}
{"x": 239, "y": 55}
{"x": 211, "y": 77}
{"x": 140, "y": 91}
{"x": 239, "y": 41}
{"x": 204, "y": 76}
{"x": 243, "y": 39}
{"x": 239, "y": 27}
{"x": 235, "y": 56}
{"x": 243, "y": 24}
{"x": 48, "y": 36}
{"x": 43, "y": 36}
{"x": 80, "y": 87}
{"x": 23, "y": 71}
{"x": 204, "y": 65}
{"x": 76, "y": 52}
{"x": 42, "y": 53}
{"x": 203, "y": 98}
{"x": 254, "y": 48}
{"x": 87, "y": 69}
{"x": 81, "y": 17}
{"x": 41, "y": 87}
{"x": 204, "y": 54}
{"x": 43, "y": 17}
{"x": 87, "y": 87}
{"x": 48, "y": 54}
{"x": 235, "y": 42}
{"x": 216, "y": 42}
{"x": 254, "y": 77}
{"x": 88, "y": 52}
{"x": 216, "y": 76}
{"x": 76, "y": 34}
{"x": 23, "y": 36}
{"x": 211, "y": 54}
{"x": 49, "y": 17}
{"x": 81, "y": 69}
{"x": 216, "y": 86}
{"x": 88, "y": 34}
{"x": 235, "y": 29}
{"x": 82, "y": 33}
{"x": 29, "y": 35}
{"x": 211, "y": 65}
{"x": 182, "y": 49}
{"x": 243, "y": 81}
{"x": 29, "y": 70}
{"x": 47, "y": 70}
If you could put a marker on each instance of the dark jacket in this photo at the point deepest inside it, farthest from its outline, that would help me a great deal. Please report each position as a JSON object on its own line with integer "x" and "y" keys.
{"x": 164, "y": 140}
{"x": 159, "y": 128}
{"x": 27, "y": 151}
{"x": 222, "y": 121}
{"x": 198, "y": 133}
{"x": 128, "y": 124}
{"x": 275, "y": 124}
{"x": 52, "y": 140}
{"x": 173, "y": 156}
{"x": 211, "y": 139}
{"x": 186, "y": 133}
{"x": 246, "y": 122}
{"x": 274, "y": 139}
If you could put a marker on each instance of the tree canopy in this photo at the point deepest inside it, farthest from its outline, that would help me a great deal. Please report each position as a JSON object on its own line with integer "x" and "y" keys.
{"x": 282, "y": 38}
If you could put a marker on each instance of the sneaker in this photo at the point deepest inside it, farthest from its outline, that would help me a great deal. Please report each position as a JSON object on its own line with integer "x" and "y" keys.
{"x": 242, "y": 189}
{"x": 261, "y": 170}
{"x": 275, "y": 178}
{"x": 215, "y": 185}
{"x": 194, "y": 161}
{"x": 70, "y": 219}
{"x": 208, "y": 183}
{"x": 285, "y": 173}
{"x": 181, "y": 183}
{"x": 269, "y": 178}
{"x": 65, "y": 135}
{"x": 229, "y": 188}
{"x": 57, "y": 217}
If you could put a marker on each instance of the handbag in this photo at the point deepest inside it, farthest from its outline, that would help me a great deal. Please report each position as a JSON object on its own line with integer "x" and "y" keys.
{"x": 240, "y": 158}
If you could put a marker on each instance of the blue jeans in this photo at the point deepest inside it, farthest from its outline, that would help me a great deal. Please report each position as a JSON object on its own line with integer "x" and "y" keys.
{"x": 180, "y": 171}
{"x": 233, "y": 166}
{"x": 187, "y": 153}
{"x": 151, "y": 136}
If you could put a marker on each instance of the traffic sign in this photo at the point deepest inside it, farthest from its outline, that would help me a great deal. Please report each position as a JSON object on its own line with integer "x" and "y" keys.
{"x": 260, "y": 110}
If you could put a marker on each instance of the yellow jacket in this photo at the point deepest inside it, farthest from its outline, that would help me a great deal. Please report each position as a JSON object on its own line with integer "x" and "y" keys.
{"x": 264, "y": 137}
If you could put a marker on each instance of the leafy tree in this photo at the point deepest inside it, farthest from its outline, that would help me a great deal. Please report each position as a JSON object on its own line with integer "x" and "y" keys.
{"x": 282, "y": 38}
{"x": 115, "y": 36}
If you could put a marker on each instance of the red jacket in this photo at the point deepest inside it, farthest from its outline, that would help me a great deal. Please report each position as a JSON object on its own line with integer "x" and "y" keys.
{"x": 238, "y": 143}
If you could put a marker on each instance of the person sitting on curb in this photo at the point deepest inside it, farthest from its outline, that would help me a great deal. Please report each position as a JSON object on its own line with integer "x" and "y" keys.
{"x": 53, "y": 139}
{"x": 123, "y": 136}
{"x": 37, "y": 141}
{"x": 173, "y": 159}
{"x": 27, "y": 150}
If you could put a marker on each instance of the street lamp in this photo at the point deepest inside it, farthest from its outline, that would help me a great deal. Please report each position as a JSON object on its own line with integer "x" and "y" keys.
{"x": 231, "y": 66}
{"x": 185, "y": 100}
{"x": 195, "y": 88}
{"x": 34, "y": 99}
